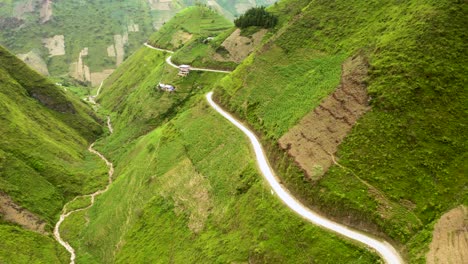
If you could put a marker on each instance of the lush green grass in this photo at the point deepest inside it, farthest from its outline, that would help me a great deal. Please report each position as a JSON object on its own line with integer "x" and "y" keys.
{"x": 91, "y": 25}
{"x": 186, "y": 187}
{"x": 94, "y": 25}
{"x": 199, "y": 21}
{"x": 44, "y": 160}
{"x": 410, "y": 146}
{"x": 42, "y": 147}
{"x": 24, "y": 247}
{"x": 199, "y": 52}
{"x": 281, "y": 90}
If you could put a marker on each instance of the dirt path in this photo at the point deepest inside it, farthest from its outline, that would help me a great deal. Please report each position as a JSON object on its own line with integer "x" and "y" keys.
{"x": 383, "y": 248}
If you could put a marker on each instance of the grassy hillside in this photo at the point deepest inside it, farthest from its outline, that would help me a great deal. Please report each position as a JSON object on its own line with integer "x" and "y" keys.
{"x": 411, "y": 145}
{"x": 43, "y": 156}
{"x": 197, "y": 22}
{"x": 186, "y": 189}
{"x": 25, "y": 26}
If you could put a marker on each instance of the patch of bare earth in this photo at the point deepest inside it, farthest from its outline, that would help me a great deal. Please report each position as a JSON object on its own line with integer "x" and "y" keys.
{"x": 14, "y": 213}
{"x": 46, "y": 11}
{"x": 24, "y": 7}
{"x": 111, "y": 51}
{"x": 119, "y": 42}
{"x": 35, "y": 61}
{"x": 239, "y": 47}
{"x": 162, "y": 5}
{"x": 98, "y": 77}
{"x": 55, "y": 45}
{"x": 79, "y": 70}
{"x": 133, "y": 27}
{"x": 180, "y": 38}
{"x": 316, "y": 138}
{"x": 189, "y": 191}
{"x": 450, "y": 238}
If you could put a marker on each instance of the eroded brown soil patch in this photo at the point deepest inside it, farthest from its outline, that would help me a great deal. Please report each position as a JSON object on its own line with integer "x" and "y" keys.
{"x": 46, "y": 10}
{"x": 450, "y": 238}
{"x": 180, "y": 38}
{"x": 317, "y": 136}
{"x": 55, "y": 45}
{"x": 14, "y": 213}
{"x": 98, "y": 77}
{"x": 239, "y": 47}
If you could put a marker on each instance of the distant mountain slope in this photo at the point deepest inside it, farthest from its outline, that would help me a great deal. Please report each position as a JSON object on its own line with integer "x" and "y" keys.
{"x": 87, "y": 39}
{"x": 43, "y": 158}
{"x": 402, "y": 166}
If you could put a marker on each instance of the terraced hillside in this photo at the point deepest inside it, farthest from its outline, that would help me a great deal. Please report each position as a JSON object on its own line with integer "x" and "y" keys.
{"x": 43, "y": 160}
{"x": 192, "y": 23}
{"x": 401, "y": 165}
{"x": 88, "y": 40}
{"x": 187, "y": 188}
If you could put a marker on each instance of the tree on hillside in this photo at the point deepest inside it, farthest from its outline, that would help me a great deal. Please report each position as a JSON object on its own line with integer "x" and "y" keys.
{"x": 256, "y": 16}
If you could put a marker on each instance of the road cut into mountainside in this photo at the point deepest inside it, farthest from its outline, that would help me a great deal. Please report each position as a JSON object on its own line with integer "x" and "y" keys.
{"x": 389, "y": 254}
{"x": 169, "y": 61}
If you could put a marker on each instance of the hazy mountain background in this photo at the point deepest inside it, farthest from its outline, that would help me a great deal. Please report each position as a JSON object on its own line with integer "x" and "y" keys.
{"x": 88, "y": 39}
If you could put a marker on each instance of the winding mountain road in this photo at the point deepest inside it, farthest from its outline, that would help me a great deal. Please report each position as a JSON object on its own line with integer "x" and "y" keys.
{"x": 383, "y": 248}
{"x": 169, "y": 61}
{"x": 388, "y": 253}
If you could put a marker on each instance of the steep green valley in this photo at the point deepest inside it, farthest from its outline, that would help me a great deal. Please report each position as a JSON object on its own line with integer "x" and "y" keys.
{"x": 191, "y": 192}
{"x": 43, "y": 160}
{"x": 360, "y": 107}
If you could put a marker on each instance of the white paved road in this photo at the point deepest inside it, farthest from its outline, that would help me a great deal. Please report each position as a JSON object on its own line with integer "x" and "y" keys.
{"x": 383, "y": 248}
{"x": 169, "y": 61}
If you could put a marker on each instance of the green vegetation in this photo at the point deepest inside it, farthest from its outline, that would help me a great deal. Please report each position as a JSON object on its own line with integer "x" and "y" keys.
{"x": 22, "y": 246}
{"x": 256, "y": 16}
{"x": 91, "y": 25}
{"x": 43, "y": 156}
{"x": 413, "y": 136}
{"x": 193, "y": 22}
{"x": 186, "y": 189}
{"x": 94, "y": 25}
{"x": 200, "y": 52}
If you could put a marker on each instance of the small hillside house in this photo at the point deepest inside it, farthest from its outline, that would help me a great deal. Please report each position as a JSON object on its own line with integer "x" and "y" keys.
{"x": 184, "y": 70}
{"x": 166, "y": 87}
